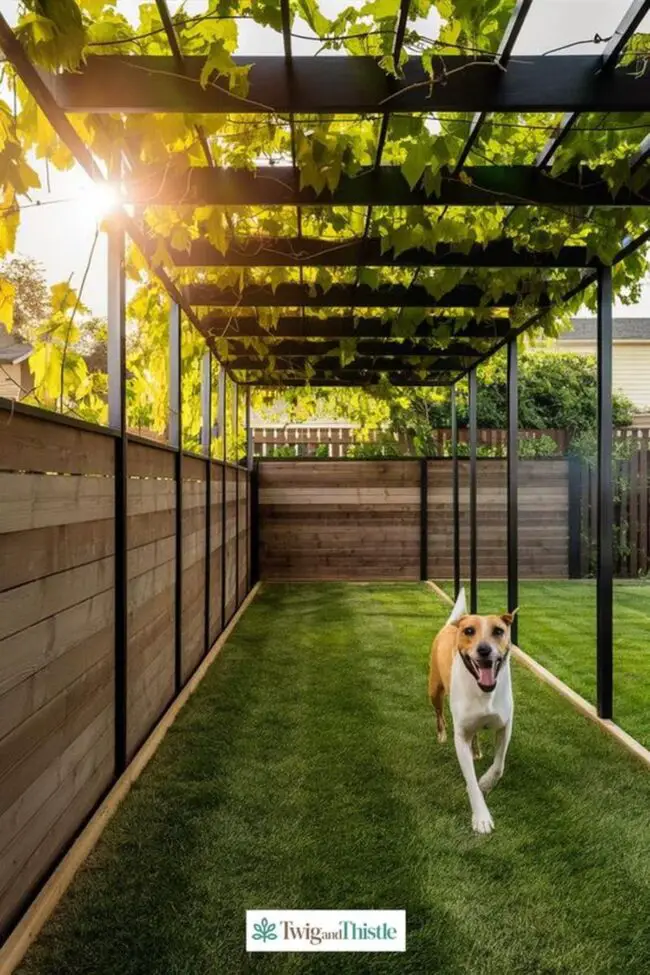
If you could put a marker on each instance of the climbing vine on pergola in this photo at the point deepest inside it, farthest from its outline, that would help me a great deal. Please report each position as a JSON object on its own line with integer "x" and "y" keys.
{"x": 392, "y": 210}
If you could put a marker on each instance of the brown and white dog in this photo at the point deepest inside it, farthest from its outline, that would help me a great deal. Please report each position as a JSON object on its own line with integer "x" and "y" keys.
{"x": 470, "y": 661}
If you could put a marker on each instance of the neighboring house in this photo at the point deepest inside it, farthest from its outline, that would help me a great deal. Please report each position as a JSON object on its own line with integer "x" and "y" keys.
{"x": 631, "y": 356}
{"x": 15, "y": 377}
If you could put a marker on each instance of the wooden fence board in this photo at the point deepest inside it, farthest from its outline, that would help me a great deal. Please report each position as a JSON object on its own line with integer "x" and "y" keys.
{"x": 37, "y": 444}
{"x": 22, "y": 654}
{"x": 242, "y": 547}
{"x": 194, "y": 555}
{"x": 145, "y": 461}
{"x": 26, "y": 605}
{"x": 231, "y": 542}
{"x": 216, "y": 545}
{"x": 27, "y": 697}
{"x": 37, "y": 500}
{"x": 26, "y": 556}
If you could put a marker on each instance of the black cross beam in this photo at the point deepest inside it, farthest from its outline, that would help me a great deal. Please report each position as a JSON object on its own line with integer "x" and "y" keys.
{"x": 386, "y": 186}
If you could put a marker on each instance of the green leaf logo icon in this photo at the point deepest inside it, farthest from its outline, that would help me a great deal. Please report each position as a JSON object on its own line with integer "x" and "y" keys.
{"x": 264, "y": 931}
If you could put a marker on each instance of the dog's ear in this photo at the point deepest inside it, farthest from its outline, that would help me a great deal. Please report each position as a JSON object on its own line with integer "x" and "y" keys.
{"x": 458, "y": 621}
{"x": 508, "y": 617}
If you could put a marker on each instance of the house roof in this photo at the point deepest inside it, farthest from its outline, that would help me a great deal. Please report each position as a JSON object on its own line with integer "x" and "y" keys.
{"x": 584, "y": 330}
{"x": 12, "y": 351}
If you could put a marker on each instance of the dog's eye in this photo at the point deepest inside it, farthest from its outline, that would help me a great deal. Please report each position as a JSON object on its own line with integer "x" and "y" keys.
{"x": 469, "y": 631}
{"x": 498, "y": 631}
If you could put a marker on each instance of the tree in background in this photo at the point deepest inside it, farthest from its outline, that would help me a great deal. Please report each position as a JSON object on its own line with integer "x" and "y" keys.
{"x": 30, "y": 294}
{"x": 557, "y": 390}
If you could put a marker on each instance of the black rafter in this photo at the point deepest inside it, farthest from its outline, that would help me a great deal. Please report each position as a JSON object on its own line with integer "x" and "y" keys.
{"x": 352, "y": 85}
{"x": 512, "y": 32}
{"x": 351, "y": 377}
{"x": 345, "y": 295}
{"x": 314, "y": 252}
{"x": 339, "y": 327}
{"x": 407, "y": 347}
{"x": 332, "y": 364}
{"x": 479, "y": 186}
{"x": 608, "y": 62}
{"x": 362, "y": 380}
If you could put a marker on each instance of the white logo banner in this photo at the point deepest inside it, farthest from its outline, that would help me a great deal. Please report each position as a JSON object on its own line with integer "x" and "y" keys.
{"x": 325, "y": 930}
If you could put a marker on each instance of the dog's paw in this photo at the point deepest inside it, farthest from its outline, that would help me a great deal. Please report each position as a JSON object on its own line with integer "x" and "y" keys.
{"x": 442, "y": 737}
{"x": 483, "y": 822}
{"x": 488, "y": 781}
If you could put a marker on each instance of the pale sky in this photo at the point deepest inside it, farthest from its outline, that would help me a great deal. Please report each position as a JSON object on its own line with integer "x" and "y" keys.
{"x": 60, "y": 234}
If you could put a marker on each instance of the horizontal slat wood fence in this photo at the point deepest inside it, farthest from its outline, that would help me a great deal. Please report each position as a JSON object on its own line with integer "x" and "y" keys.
{"x": 543, "y": 519}
{"x": 339, "y": 519}
{"x": 57, "y": 618}
{"x": 363, "y": 519}
{"x": 631, "y": 516}
{"x": 337, "y": 441}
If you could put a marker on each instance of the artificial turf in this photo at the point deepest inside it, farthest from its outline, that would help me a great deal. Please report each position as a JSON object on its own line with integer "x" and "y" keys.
{"x": 557, "y": 626}
{"x": 305, "y": 773}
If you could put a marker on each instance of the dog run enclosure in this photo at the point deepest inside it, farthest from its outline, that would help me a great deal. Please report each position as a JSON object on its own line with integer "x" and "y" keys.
{"x": 164, "y": 542}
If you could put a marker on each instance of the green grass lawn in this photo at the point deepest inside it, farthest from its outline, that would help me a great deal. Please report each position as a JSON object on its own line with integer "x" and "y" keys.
{"x": 305, "y": 774}
{"x": 557, "y": 626}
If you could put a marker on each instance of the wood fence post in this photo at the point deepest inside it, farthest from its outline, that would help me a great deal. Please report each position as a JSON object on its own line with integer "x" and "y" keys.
{"x": 424, "y": 519}
{"x": 575, "y": 516}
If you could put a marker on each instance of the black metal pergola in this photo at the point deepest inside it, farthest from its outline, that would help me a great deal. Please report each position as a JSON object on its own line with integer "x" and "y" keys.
{"x": 303, "y": 344}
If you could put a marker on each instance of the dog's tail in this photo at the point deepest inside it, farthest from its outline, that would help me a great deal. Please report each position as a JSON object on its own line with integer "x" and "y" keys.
{"x": 460, "y": 607}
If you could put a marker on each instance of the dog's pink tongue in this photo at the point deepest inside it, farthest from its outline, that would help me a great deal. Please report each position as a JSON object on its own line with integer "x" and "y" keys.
{"x": 487, "y": 676}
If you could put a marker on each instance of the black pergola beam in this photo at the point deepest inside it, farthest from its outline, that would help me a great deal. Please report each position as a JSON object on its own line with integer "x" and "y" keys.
{"x": 340, "y": 383}
{"x": 348, "y": 379}
{"x": 357, "y": 85}
{"x": 318, "y": 348}
{"x": 345, "y": 295}
{"x": 341, "y": 327}
{"x": 332, "y": 363}
{"x": 313, "y": 252}
{"x": 386, "y": 186}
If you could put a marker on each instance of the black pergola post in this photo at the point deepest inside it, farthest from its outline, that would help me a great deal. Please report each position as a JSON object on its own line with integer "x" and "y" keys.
{"x": 235, "y": 427}
{"x": 117, "y": 419}
{"x": 513, "y": 482}
{"x": 249, "y": 431}
{"x": 605, "y": 569}
{"x": 176, "y": 440}
{"x": 473, "y": 438}
{"x": 223, "y": 393}
{"x": 249, "y": 468}
{"x": 206, "y": 444}
{"x": 424, "y": 519}
{"x": 455, "y": 491}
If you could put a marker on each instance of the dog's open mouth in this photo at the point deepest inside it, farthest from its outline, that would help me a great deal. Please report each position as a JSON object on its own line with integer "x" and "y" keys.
{"x": 484, "y": 672}
{"x": 487, "y": 675}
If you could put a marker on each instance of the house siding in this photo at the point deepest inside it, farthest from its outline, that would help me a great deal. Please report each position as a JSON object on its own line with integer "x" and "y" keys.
{"x": 630, "y": 367}
{"x": 10, "y": 380}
